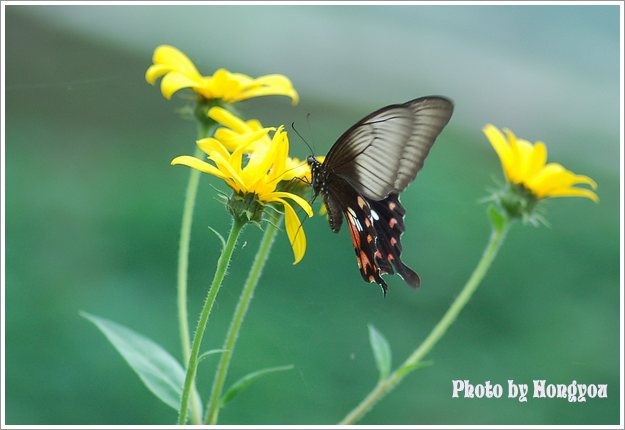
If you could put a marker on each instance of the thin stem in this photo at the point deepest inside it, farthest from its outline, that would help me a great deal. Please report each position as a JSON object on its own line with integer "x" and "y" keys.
{"x": 220, "y": 272}
{"x": 183, "y": 258}
{"x": 183, "y": 262}
{"x": 385, "y": 385}
{"x": 256, "y": 270}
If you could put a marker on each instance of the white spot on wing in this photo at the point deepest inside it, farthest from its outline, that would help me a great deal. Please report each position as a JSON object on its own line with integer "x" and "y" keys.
{"x": 374, "y": 214}
{"x": 354, "y": 218}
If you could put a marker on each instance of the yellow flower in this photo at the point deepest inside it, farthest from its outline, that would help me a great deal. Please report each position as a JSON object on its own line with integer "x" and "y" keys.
{"x": 258, "y": 177}
{"x": 237, "y": 133}
{"x": 525, "y": 164}
{"x": 179, "y": 72}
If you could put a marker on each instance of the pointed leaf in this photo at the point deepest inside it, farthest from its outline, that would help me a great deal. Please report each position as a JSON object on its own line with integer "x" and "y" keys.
{"x": 381, "y": 351}
{"x": 496, "y": 217}
{"x": 247, "y": 380}
{"x": 407, "y": 369}
{"x": 219, "y": 236}
{"x": 157, "y": 369}
{"x": 209, "y": 353}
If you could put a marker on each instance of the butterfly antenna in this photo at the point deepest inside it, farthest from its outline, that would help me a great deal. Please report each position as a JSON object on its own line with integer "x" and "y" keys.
{"x": 312, "y": 151}
{"x": 279, "y": 177}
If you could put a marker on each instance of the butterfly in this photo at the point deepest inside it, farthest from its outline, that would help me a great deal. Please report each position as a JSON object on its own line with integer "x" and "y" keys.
{"x": 364, "y": 172}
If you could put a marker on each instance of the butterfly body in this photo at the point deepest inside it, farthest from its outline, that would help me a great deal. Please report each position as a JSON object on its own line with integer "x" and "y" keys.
{"x": 364, "y": 172}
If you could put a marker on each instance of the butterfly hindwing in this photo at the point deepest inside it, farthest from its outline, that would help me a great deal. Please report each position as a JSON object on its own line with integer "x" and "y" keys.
{"x": 388, "y": 221}
{"x": 375, "y": 228}
{"x": 364, "y": 238}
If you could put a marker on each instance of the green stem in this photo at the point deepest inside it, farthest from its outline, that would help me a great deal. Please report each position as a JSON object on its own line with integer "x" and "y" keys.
{"x": 389, "y": 383}
{"x": 256, "y": 270}
{"x": 183, "y": 257}
{"x": 220, "y": 272}
{"x": 183, "y": 262}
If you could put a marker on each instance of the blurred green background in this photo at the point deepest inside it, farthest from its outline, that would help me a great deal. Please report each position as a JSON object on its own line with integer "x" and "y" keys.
{"x": 93, "y": 210}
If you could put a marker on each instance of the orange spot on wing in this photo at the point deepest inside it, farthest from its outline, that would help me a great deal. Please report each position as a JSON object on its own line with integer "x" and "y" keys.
{"x": 392, "y": 222}
{"x": 393, "y": 241}
{"x": 364, "y": 260}
{"x": 392, "y": 206}
{"x": 353, "y": 231}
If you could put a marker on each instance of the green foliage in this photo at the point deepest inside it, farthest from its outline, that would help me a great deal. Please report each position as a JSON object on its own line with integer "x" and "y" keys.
{"x": 381, "y": 351}
{"x": 219, "y": 236}
{"x": 207, "y": 354}
{"x": 407, "y": 369}
{"x": 248, "y": 379}
{"x": 157, "y": 369}
{"x": 497, "y": 218}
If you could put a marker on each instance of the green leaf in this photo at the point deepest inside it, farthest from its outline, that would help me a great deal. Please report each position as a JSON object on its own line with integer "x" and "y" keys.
{"x": 381, "y": 351}
{"x": 247, "y": 380}
{"x": 407, "y": 369}
{"x": 219, "y": 236}
{"x": 209, "y": 353}
{"x": 159, "y": 371}
{"x": 497, "y": 218}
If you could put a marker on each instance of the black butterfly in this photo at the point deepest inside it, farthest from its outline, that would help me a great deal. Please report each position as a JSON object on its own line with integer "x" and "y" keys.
{"x": 364, "y": 172}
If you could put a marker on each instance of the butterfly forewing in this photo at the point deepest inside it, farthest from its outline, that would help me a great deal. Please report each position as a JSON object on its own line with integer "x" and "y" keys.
{"x": 384, "y": 151}
{"x": 429, "y": 115}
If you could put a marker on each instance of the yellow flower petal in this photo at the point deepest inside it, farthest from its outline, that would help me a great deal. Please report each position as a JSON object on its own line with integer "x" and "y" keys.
{"x": 500, "y": 145}
{"x": 266, "y": 91}
{"x": 294, "y": 231}
{"x": 197, "y": 164}
{"x": 282, "y": 152}
{"x": 575, "y": 192}
{"x": 228, "y": 119}
{"x": 246, "y": 145}
{"x": 541, "y": 182}
{"x": 536, "y": 160}
{"x": 564, "y": 180}
{"x": 174, "y": 81}
{"x": 270, "y": 85}
{"x": 524, "y": 152}
{"x": 274, "y": 80}
{"x": 155, "y": 71}
{"x": 258, "y": 167}
{"x": 229, "y": 138}
{"x": 515, "y": 169}
{"x": 279, "y": 195}
{"x": 222, "y": 85}
{"x": 173, "y": 58}
{"x": 211, "y": 145}
{"x": 255, "y": 124}
{"x": 232, "y": 171}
